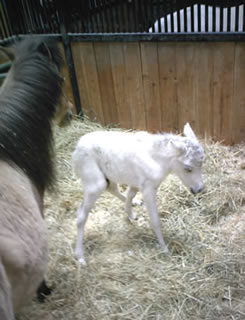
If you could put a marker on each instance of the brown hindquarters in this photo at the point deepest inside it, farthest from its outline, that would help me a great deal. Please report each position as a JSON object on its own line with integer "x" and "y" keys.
{"x": 23, "y": 235}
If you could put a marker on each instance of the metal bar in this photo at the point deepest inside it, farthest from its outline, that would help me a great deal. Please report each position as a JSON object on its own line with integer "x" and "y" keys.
{"x": 243, "y": 27}
{"x": 46, "y": 10}
{"x": 171, "y": 37}
{"x": 198, "y": 18}
{"x": 165, "y": 10}
{"x": 178, "y": 19}
{"x": 185, "y": 19}
{"x": 112, "y": 16}
{"x": 192, "y": 19}
{"x": 214, "y": 17}
{"x": 237, "y": 18}
{"x": 151, "y": 15}
{"x": 172, "y": 19}
{"x": 7, "y": 17}
{"x": 207, "y": 18}
{"x": 144, "y": 14}
{"x": 228, "y": 19}
{"x": 221, "y": 28}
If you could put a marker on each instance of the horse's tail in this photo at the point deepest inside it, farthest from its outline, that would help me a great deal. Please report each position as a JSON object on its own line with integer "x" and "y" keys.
{"x": 6, "y": 307}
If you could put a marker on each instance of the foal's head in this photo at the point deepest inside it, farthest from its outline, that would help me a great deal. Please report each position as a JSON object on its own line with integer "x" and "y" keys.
{"x": 189, "y": 160}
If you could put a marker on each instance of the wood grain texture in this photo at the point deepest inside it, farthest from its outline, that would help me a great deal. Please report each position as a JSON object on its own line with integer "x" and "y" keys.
{"x": 238, "y": 105}
{"x": 150, "y": 74}
{"x": 134, "y": 84}
{"x": 161, "y": 86}
{"x": 168, "y": 86}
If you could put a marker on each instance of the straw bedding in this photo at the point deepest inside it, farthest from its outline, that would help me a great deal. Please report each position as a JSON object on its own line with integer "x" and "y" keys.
{"x": 127, "y": 277}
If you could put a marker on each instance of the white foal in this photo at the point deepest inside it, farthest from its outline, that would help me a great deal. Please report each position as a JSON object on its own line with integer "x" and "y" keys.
{"x": 140, "y": 160}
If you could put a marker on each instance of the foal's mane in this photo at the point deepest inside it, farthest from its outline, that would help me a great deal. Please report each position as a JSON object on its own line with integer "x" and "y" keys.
{"x": 28, "y": 100}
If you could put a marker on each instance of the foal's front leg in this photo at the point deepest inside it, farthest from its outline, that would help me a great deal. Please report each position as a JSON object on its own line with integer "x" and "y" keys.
{"x": 149, "y": 196}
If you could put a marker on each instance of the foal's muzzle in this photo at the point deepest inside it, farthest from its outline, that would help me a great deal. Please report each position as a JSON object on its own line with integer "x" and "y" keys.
{"x": 195, "y": 191}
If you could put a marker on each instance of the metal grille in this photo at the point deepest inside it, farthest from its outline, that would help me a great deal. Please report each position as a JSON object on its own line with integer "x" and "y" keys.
{"x": 120, "y": 16}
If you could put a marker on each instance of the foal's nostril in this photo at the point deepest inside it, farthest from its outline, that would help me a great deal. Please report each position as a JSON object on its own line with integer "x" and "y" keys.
{"x": 195, "y": 191}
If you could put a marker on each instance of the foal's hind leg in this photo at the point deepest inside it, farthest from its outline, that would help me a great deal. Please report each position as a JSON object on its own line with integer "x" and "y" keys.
{"x": 92, "y": 190}
{"x": 131, "y": 192}
{"x": 113, "y": 189}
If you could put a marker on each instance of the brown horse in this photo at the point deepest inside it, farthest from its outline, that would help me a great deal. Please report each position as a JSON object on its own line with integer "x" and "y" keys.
{"x": 28, "y": 100}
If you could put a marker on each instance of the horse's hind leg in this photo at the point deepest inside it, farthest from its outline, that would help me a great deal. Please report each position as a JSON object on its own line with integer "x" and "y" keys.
{"x": 6, "y": 307}
{"x": 43, "y": 291}
{"x": 93, "y": 187}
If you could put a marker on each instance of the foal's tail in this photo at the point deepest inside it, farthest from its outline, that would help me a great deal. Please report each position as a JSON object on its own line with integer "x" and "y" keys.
{"x": 6, "y": 307}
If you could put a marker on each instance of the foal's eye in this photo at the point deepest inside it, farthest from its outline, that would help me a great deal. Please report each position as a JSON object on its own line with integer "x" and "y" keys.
{"x": 187, "y": 169}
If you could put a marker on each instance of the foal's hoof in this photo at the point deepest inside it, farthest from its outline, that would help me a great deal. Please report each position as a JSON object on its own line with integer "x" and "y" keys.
{"x": 137, "y": 202}
{"x": 80, "y": 259}
{"x": 164, "y": 249}
{"x": 82, "y": 262}
{"x": 132, "y": 217}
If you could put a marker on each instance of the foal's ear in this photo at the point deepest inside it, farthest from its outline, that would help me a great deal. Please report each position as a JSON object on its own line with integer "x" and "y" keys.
{"x": 188, "y": 132}
{"x": 178, "y": 146}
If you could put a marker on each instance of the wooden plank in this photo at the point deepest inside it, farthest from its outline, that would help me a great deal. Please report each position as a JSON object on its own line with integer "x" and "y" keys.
{"x": 120, "y": 85}
{"x": 102, "y": 54}
{"x": 168, "y": 86}
{"x": 203, "y": 103}
{"x": 223, "y": 55}
{"x": 134, "y": 84}
{"x": 185, "y": 72}
{"x": 238, "y": 105}
{"x": 150, "y": 72}
{"x": 88, "y": 81}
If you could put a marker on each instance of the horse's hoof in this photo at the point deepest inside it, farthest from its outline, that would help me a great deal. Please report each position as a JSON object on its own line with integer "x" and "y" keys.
{"x": 43, "y": 291}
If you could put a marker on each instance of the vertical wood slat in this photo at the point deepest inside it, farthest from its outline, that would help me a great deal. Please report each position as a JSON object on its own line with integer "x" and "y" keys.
{"x": 87, "y": 77}
{"x": 134, "y": 85}
{"x": 238, "y": 110}
{"x": 168, "y": 86}
{"x": 150, "y": 73}
{"x": 223, "y": 90}
{"x": 186, "y": 69}
{"x": 203, "y": 83}
{"x": 119, "y": 76}
{"x": 104, "y": 70}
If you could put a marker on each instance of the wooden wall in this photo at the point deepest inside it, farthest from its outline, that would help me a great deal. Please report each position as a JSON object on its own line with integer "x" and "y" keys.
{"x": 161, "y": 86}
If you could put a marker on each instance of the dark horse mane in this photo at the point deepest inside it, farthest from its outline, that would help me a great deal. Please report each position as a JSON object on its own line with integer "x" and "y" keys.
{"x": 28, "y": 100}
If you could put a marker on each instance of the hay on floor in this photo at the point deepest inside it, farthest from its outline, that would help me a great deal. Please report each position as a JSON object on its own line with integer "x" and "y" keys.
{"x": 127, "y": 277}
